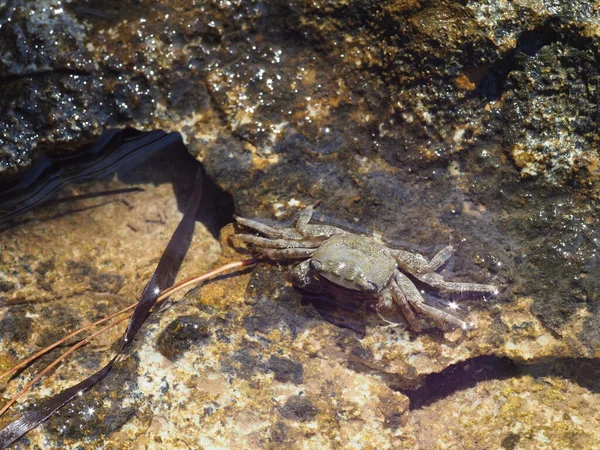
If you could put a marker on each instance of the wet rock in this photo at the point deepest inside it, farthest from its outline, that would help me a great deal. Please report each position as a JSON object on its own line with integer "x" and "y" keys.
{"x": 79, "y": 271}
{"x": 510, "y": 441}
{"x": 15, "y": 327}
{"x": 468, "y": 123}
{"x": 93, "y": 264}
{"x": 7, "y": 283}
{"x": 97, "y": 414}
{"x": 275, "y": 305}
{"x": 286, "y": 370}
{"x": 524, "y": 412}
{"x": 590, "y": 335}
{"x": 281, "y": 434}
{"x": 244, "y": 363}
{"x": 551, "y": 109}
{"x": 181, "y": 335}
{"x": 107, "y": 282}
{"x": 299, "y": 409}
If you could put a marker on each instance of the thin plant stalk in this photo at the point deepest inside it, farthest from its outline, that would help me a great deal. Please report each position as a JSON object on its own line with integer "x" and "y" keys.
{"x": 204, "y": 277}
{"x": 57, "y": 361}
{"x": 60, "y": 341}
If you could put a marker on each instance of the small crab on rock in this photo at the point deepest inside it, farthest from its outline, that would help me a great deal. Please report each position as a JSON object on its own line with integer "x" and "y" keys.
{"x": 334, "y": 258}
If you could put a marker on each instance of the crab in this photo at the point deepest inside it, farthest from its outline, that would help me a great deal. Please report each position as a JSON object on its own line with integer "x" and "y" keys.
{"x": 333, "y": 258}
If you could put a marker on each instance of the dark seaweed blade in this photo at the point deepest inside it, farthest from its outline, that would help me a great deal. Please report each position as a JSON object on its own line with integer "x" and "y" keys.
{"x": 166, "y": 271}
{"x": 114, "y": 149}
{"x": 163, "y": 277}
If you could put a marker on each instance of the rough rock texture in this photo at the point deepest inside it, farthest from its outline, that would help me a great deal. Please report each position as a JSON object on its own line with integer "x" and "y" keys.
{"x": 424, "y": 122}
{"x": 518, "y": 413}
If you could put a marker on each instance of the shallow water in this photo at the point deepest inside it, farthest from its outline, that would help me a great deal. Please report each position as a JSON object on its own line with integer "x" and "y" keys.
{"x": 420, "y": 123}
{"x": 237, "y": 342}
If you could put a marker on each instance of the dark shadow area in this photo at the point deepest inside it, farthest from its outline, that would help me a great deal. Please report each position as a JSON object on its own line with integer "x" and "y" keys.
{"x": 174, "y": 165}
{"x": 466, "y": 374}
{"x": 460, "y": 376}
{"x": 136, "y": 157}
{"x": 112, "y": 151}
{"x": 347, "y": 309}
{"x": 350, "y": 312}
{"x": 530, "y": 42}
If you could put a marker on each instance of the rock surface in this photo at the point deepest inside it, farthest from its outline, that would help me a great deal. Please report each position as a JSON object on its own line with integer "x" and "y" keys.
{"x": 424, "y": 122}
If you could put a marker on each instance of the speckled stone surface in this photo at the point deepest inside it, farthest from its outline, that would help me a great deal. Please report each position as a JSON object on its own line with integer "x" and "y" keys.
{"x": 518, "y": 413}
{"x": 423, "y": 122}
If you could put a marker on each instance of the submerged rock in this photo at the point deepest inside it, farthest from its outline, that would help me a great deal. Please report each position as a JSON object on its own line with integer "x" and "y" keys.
{"x": 425, "y": 123}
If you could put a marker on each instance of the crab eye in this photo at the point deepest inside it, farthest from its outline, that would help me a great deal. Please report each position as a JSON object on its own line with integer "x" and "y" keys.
{"x": 370, "y": 288}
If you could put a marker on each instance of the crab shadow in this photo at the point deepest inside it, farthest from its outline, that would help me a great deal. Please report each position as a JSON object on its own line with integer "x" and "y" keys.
{"x": 270, "y": 284}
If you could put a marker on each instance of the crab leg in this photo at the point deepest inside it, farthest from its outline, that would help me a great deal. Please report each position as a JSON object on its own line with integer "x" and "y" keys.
{"x": 384, "y": 302}
{"x": 307, "y": 230}
{"x": 287, "y": 233}
{"x": 276, "y": 243}
{"x": 415, "y": 263}
{"x": 410, "y": 262}
{"x": 400, "y": 299}
{"x": 303, "y": 278}
{"x": 416, "y": 300}
{"x": 435, "y": 280}
{"x": 439, "y": 259}
{"x": 287, "y": 253}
